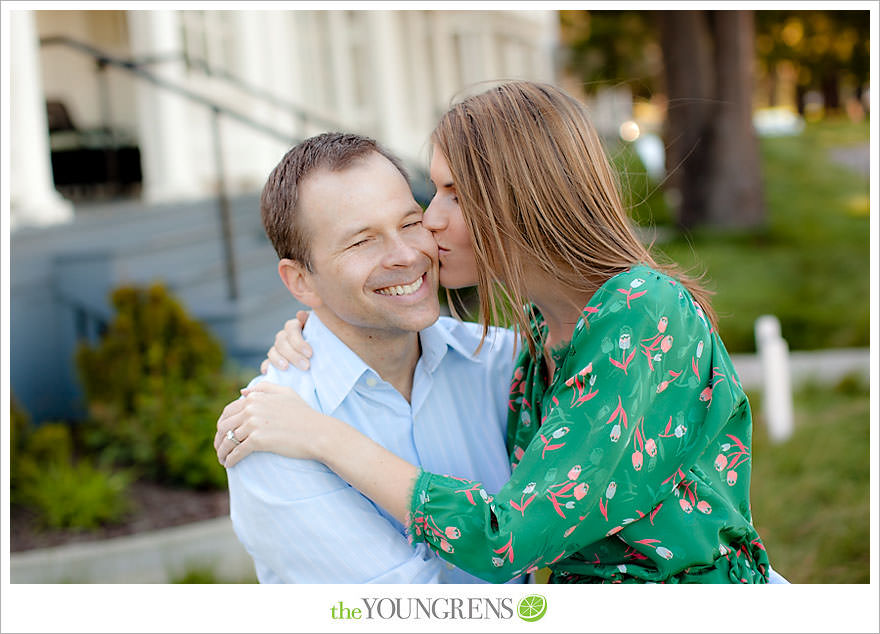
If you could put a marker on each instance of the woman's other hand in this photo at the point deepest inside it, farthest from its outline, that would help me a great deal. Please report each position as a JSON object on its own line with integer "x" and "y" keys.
{"x": 269, "y": 417}
{"x": 290, "y": 347}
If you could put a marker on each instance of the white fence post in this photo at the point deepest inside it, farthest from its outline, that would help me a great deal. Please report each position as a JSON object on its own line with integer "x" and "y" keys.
{"x": 778, "y": 403}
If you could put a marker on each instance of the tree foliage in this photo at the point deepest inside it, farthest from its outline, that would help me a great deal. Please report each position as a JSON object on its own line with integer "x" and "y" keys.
{"x": 824, "y": 48}
{"x": 613, "y": 47}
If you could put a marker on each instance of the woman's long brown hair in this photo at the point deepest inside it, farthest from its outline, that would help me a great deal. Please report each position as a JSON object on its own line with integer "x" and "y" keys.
{"x": 537, "y": 190}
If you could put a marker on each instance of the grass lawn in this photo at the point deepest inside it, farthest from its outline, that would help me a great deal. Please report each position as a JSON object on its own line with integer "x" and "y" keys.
{"x": 810, "y": 499}
{"x": 808, "y": 266}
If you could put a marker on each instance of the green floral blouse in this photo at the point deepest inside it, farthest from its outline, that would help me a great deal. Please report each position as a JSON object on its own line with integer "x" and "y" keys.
{"x": 632, "y": 465}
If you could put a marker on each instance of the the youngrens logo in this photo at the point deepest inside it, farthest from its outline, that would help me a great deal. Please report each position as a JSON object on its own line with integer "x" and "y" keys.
{"x": 530, "y": 608}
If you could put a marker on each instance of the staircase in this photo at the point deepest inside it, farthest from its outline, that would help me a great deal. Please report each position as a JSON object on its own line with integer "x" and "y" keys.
{"x": 62, "y": 276}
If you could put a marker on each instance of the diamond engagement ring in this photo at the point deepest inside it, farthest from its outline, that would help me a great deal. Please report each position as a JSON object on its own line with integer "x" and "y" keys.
{"x": 231, "y": 436}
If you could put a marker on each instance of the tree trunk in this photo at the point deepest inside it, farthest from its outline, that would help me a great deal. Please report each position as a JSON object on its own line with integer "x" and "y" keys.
{"x": 687, "y": 57}
{"x": 736, "y": 197}
{"x": 712, "y": 150}
{"x": 831, "y": 91}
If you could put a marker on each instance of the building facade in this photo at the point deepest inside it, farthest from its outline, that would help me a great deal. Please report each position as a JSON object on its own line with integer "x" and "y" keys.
{"x": 141, "y": 139}
{"x": 387, "y": 74}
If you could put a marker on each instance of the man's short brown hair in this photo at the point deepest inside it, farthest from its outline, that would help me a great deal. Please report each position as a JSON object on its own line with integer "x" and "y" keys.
{"x": 334, "y": 151}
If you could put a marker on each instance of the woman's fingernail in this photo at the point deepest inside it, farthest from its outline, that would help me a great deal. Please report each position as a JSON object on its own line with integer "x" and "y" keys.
{"x": 302, "y": 365}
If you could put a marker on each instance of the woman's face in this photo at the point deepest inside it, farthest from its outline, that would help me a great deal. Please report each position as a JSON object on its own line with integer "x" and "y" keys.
{"x": 443, "y": 218}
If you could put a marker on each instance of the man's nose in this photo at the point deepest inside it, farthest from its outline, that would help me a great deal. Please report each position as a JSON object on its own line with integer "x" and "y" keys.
{"x": 401, "y": 252}
{"x": 434, "y": 219}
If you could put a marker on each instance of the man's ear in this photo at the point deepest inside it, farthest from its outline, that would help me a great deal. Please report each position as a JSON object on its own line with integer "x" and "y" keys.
{"x": 298, "y": 281}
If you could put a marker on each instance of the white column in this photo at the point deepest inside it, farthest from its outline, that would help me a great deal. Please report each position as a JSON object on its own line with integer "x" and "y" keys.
{"x": 488, "y": 49}
{"x": 389, "y": 79}
{"x": 163, "y": 125}
{"x": 33, "y": 199}
{"x": 251, "y": 154}
{"x": 548, "y": 45}
{"x": 445, "y": 80}
{"x": 341, "y": 72}
{"x": 283, "y": 63}
{"x": 421, "y": 73}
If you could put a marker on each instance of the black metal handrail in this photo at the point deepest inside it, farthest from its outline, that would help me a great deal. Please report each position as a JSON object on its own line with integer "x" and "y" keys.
{"x": 136, "y": 67}
{"x": 133, "y": 67}
{"x": 103, "y": 60}
{"x": 303, "y": 115}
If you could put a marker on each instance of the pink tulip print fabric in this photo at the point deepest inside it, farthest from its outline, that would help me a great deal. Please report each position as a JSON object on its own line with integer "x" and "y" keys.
{"x": 631, "y": 465}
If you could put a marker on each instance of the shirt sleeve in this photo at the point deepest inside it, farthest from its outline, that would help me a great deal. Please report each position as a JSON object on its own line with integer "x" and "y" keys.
{"x": 609, "y": 448}
{"x": 302, "y": 524}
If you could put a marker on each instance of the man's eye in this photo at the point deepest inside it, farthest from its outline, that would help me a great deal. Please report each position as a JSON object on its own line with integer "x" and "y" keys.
{"x": 413, "y": 224}
{"x": 358, "y": 243}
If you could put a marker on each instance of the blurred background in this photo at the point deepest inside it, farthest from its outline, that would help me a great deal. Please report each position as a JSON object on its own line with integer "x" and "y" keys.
{"x": 143, "y": 291}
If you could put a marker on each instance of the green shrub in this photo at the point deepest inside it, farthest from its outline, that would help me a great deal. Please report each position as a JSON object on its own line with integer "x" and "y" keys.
{"x": 19, "y": 432}
{"x": 63, "y": 494}
{"x": 50, "y": 443}
{"x": 155, "y": 387}
{"x": 205, "y": 574}
{"x": 75, "y": 495}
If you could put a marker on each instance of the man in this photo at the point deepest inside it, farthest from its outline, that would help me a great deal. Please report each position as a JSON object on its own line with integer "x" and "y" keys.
{"x": 340, "y": 214}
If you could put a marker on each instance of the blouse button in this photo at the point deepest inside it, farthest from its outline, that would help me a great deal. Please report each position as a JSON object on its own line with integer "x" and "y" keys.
{"x": 371, "y": 381}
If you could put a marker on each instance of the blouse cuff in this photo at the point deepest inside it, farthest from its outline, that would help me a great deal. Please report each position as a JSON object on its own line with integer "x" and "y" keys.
{"x": 414, "y": 524}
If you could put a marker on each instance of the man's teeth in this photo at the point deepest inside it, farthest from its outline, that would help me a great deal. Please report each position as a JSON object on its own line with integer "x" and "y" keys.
{"x": 409, "y": 289}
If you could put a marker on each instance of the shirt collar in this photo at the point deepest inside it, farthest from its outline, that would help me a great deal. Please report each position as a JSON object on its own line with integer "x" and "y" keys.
{"x": 442, "y": 335}
{"x": 336, "y": 369}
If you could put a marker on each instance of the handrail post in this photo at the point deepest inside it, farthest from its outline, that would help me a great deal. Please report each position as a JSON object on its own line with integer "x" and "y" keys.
{"x": 111, "y": 155}
{"x": 223, "y": 207}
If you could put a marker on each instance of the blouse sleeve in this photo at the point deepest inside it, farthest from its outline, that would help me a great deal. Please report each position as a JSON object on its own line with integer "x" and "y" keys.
{"x": 613, "y": 439}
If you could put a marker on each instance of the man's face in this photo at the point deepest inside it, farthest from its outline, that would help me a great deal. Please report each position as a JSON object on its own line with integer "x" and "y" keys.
{"x": 374, "y": 266}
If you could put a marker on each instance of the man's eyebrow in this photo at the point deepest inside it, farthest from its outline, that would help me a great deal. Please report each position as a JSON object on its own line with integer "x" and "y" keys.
{"x": 351, "y": 234}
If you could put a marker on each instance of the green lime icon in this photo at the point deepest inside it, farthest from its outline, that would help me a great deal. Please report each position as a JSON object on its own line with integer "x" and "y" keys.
{"x": 532, "y": 608}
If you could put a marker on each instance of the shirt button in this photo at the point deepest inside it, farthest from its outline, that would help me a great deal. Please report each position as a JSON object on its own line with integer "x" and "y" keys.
{"x": 371, "y": 381}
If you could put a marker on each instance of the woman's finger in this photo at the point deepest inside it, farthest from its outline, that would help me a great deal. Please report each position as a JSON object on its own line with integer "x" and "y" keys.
{"x": 227, "y": 422}
{"x": 240, "y": 435}
{"x": 276, "y": 358}
{"x": 239, "y": 452}
{"x": 266, "y": 387}
{"x": 293, "y": 330}
{"x": 264, "y": 366}
{"x": 284, "y": 349}
{"x": 232, "y": 408}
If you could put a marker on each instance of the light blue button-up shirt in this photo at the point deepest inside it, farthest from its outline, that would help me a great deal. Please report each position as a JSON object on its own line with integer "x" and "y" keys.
{"x": 303, "y": 524}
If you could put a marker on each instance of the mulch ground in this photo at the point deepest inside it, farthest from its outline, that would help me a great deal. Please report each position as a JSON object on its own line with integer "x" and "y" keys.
{"x": 153, "y": 507}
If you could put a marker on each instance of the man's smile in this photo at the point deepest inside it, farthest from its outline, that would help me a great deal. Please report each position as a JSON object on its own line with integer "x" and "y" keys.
{"x": 403, "y": 289}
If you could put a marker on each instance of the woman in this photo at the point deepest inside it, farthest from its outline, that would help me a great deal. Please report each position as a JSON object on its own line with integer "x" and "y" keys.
{"x": 628, "y": 430}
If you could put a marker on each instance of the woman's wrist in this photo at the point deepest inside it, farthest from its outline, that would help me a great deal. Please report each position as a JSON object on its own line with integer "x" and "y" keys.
{"x": 321, "y": 440}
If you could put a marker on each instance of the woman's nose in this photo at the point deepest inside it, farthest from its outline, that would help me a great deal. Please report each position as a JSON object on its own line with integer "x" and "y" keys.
{"x": 434, "y": 219}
